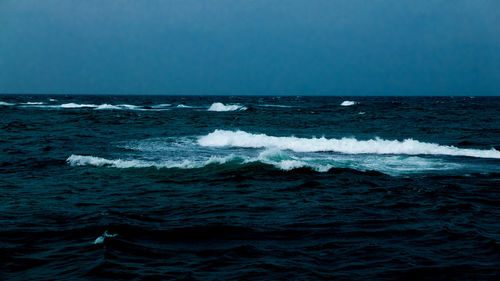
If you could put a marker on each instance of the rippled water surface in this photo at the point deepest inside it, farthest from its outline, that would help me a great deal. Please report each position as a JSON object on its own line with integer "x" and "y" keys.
{"x": 250, "y": 188}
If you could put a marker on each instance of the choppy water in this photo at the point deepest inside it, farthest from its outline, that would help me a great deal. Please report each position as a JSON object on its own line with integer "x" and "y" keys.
{"x": 252, "y": 188}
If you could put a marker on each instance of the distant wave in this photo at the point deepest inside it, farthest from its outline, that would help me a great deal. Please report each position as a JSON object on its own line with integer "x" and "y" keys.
{"x": 163, "y": 105}
{"x": 223, "y": 138}
{"x": 107, "y": 106}
{"x": 104, "y": 106}
{"x": 77, "y": 105}
{"x": 217, "y": 106}
{"x": 275, "y": 105}
{"x": 119, "y": 107}
{"x": 348, "y": 103}
{"x": 183, "y": 106}
{"x": 6, "y": 103}
{"x": 34, "y": 103}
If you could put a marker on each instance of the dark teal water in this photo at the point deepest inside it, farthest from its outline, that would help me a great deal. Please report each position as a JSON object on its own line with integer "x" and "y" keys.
{"x": 302, "y": 188}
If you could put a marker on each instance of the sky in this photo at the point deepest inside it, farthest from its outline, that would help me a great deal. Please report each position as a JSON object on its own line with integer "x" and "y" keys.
{"x": 254, "y": 47}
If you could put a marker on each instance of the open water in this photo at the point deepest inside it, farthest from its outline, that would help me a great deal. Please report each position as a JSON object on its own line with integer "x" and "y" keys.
{"x": 249, "y": 188}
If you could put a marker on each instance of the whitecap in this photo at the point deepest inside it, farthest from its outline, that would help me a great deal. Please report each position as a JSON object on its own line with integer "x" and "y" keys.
{"x": 6, "y": 103}
{"x": 217, "y": 106}
{"x": 348, "y": 103}
{"x": 223, "y": 138}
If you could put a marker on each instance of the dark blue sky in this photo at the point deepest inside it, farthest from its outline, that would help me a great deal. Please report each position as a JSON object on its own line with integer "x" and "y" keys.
{"x": 295, "y": 47}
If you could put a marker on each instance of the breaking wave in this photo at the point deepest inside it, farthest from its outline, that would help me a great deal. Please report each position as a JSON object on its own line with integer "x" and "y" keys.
{"x": 391, "y": 165}
{"x": 6, "y": 103}
{"x": 223, "y": 138}
{"x": 217, "y": 106}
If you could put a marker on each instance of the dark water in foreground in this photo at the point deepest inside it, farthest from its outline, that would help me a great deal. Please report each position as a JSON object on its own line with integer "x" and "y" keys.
{"x": 141, "y": 188}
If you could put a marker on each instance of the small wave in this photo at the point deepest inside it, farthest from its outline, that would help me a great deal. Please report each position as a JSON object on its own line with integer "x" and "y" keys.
{"x": 361, "y": 113}
{"x": 217, "y": 106}
{"x": 100, "y": 239}
{"x": 76, "y": 105}
{"x": 223, "y": 138}
{"x": 52, "y": 100}
{"x": 6, "y": 103}
{"x": 348, "y": 103}
{"x": 184, "y": 106}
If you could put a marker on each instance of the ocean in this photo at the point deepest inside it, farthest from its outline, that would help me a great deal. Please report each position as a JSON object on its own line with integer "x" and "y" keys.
{"x": 249, "y": 188}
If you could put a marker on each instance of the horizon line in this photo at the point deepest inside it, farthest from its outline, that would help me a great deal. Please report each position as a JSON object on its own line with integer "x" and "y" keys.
{"x": 259, "y": 95}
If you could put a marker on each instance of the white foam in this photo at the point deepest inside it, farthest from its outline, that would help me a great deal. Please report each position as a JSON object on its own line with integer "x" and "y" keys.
{"x": 223, "y": 138}
{"x": 52, "y": 100}
{"x": 183, "y": 106}
{"x": 217, "y": 106}
{"x": 348, "y": 103}
{"x": 105, "y": 235}
{"x": 76, "y": 105}
{"x": 6, "y": 103}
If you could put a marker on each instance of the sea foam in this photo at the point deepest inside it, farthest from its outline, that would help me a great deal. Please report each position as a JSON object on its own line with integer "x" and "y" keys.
{"x": 217, "y": 106}
{"x": 223, "y": 138}
{"x": 6, "y": 103}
